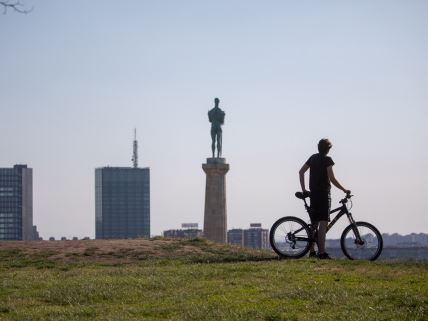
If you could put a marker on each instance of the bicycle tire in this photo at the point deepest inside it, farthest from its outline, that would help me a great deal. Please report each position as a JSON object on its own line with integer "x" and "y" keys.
{"x": 370, "y": 250}
{"x": 279, "y": 231}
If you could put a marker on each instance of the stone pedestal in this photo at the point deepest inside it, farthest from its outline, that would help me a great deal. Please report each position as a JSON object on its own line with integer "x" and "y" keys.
{"x": 215, "y": 216}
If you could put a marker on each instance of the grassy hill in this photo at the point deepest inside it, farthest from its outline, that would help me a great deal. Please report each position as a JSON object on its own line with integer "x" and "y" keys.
{"x": 162, "y": 279}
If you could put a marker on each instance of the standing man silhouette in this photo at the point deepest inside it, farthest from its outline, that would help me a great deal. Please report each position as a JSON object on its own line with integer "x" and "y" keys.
{"x": 320, "y": 177}
{"x": 216, "y": 118}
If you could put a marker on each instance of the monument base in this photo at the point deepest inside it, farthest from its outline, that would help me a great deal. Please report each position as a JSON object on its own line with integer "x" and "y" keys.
{"x": 215, "y": 214}
{"x": 216, "y": 160}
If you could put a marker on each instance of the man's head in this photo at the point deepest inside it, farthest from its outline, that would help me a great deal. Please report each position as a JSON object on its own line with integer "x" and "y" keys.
{"x": 324, "y": 146}
{"x": 216, "y": 101}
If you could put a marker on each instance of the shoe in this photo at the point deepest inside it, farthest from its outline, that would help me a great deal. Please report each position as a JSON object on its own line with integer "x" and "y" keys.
{"x": 324, "y": 256}
{"x": 313, "y": 254}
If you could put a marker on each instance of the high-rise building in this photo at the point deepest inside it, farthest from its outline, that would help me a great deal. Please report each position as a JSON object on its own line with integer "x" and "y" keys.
{"x": 122, "y": 201}
{"x": 236, "y": 236}
{"x": 16, "y": 203}
{"x": 256, "y": 237}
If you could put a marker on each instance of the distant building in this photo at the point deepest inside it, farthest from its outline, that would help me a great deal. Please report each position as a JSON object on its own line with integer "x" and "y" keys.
{"x": 36, "y": 235}
{"x": 193, "y": 226}
{"x": 188, "y": 230}
{"x": 190, "y": 233}
{"x": 236, "y": 236}
{"x": 122, "y": 201}
{"x": 256, "y": 237}
{"x": 405, "y": 241}
{"x": 16, "y": 203}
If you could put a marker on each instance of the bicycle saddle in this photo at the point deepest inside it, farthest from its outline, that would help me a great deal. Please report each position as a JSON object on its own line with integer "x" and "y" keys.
{"x": 302, "y": 195}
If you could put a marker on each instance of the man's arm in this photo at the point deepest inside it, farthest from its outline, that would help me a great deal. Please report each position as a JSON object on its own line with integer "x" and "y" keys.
{"x": 302, "y": 172}
{"x": 334, "y": 180}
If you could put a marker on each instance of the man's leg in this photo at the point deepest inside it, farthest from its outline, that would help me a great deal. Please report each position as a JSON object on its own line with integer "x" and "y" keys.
{"x": 314, "y": 235}
{"x": 314, "y": 216}
{"x": 322, "y": 230}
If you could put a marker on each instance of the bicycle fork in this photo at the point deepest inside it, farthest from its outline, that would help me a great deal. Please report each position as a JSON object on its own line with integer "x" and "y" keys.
{"x": 358, "y": 239}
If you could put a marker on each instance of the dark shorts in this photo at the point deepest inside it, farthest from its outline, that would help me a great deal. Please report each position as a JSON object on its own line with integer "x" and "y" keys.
{"x": 320, "y": 206}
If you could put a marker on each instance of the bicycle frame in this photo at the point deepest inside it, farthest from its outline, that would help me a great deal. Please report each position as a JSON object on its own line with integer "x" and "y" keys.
{"x": 342, "y": 211}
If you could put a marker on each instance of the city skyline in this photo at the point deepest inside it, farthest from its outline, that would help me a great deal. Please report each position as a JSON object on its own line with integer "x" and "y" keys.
{"x": 71, "y": 95}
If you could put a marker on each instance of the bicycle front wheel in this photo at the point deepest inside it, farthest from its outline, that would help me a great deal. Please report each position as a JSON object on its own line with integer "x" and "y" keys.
{"x": 290, "y": 237}
{"x": 361, "y": 241}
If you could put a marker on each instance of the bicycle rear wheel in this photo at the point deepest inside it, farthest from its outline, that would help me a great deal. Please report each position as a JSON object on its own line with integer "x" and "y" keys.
{"x": 369, "y": 247}
{"x": 290, "y": 237}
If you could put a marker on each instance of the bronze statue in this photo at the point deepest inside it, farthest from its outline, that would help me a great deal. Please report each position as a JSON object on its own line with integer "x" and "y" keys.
{"x": 216, "y": 118}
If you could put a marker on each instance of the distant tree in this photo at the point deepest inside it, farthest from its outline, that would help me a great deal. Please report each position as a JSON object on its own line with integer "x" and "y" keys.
{"x": 14, "y": 5}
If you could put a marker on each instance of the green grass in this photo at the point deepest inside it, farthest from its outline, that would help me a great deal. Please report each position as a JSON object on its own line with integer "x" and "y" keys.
{"x": 240, "y": 287}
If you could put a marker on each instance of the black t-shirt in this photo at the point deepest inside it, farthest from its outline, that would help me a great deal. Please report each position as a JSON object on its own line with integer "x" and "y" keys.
{"x": 318, "y": 177}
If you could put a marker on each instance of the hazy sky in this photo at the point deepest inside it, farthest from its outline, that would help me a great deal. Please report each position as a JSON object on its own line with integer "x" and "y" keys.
{"x": 77, "y": 76}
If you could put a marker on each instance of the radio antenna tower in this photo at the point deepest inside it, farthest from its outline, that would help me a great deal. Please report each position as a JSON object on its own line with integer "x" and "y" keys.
{"x": 135, "y": 150}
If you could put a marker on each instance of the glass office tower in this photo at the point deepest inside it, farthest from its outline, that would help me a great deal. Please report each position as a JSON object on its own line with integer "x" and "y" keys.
{"x": 16, "y": 203}
{"x": 122, "y": 202}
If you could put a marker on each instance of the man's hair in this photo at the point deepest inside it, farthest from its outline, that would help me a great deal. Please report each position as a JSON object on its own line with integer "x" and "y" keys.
{"x": 324, "y": 146}
{"x": 216, "y": 100}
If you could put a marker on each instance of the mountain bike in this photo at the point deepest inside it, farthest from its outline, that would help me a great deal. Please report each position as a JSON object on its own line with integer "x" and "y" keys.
{"x": 291, "y": 237}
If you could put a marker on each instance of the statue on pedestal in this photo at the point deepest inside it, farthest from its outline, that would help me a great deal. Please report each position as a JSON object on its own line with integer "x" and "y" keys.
{"x": 215, "y": 213}
{"x": 216, "y": 118}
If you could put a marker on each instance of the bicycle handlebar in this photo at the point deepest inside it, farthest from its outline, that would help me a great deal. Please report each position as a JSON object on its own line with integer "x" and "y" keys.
{"x": 345, "y": 200}
{"x": 302, "y": 196}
